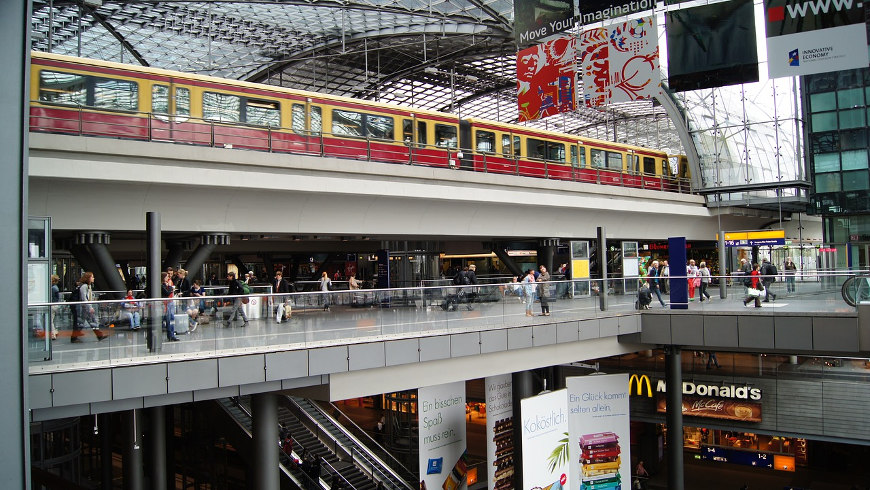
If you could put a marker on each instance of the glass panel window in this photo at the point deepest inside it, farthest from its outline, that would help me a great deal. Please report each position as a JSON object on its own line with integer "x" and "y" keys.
{"x": 825, "y": 121}
{"x": 485, "y": 141}
{"x": 316, "y": 120}
{"x": 597, "y": 158}
{"x": 649, "y": 165}
{"x": 825, "y": 142}
{"x": 116, "y": 94}
{"x": 380, "y": 127}
{"x": 506, "y": 144}
{"x": 422, "y": 135}
{"x": 445, "y": 136}
{"x": 536, "y": 149}
{"x": 555, "y": 152}
{"x": 298, "y": 116}
{"x": 856, "y": 181}
{"x": 854, "y": 160}
{"x": 826, "y": 162}
{"x": 182, "y": 103}
{"x": 849, "y": 98}
{"x": 407, "y": 131}
{"x": 852, "y": 118}
{"x": 517, "y": 146}
{"x": 160, "y": 99}
{"x": 825, "y": 101}
{"x": 574, "y": 155}
{"x": 854, "y": 139}
{"x": 614, "y": 160}
{"x": 582, "y": 151}
{"x": 63, "y": 88}
{"x": 221, "y": 107}
{"x": 827, "y": 183}
{"x": 347, "y": 123}
{"x": 263, "y": 112}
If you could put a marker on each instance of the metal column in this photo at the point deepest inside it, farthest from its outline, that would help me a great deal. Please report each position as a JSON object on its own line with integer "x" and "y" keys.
{"x": 155, "y": 329}
{"x": 723, "y": 256}
{"x": 157, "y": 448}
{"x": 207, "y": 245}
{"x": 265, "y": 413}
{"x": 105, "y": 427}
{"x": 14, "y": 78}
{"x": 674, "y": 416}
{"x": 523, "y": 384}
{"x": 602, "y": 260}
{"x": 134, "y": 476}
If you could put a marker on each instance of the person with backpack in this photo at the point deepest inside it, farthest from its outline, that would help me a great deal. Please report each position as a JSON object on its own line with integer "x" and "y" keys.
{"x": 86, "y": 314}
{"x": 326, "y": 287}
{"x": 768, "y": 277}
{"x": 236, "y": 289}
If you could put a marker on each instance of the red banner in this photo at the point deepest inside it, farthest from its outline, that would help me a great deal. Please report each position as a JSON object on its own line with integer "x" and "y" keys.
{"x": 546, "y": 79}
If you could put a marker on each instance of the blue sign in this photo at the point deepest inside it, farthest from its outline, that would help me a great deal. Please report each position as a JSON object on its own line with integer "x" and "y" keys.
{"x": 759, "y": 242}
{"x": 737, "y": 456}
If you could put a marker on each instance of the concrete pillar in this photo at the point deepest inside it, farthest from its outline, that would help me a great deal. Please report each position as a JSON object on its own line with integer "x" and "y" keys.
{"x": 723, "y": 257}
{"x": 134, "y": 476}
{"x": 15, "y": 80}
{"x": 173, "y": 255}
{"x": 602, "y": 259}
{"x": 157, "y": 448}
{"x": 674, "y": 415}
{"x": 153, "y": 268}
{"x": 546, "y": 252}
{"x": 265, "y": 431}
{"x": 523, "y": 383}
{"x": 200, "y": 255}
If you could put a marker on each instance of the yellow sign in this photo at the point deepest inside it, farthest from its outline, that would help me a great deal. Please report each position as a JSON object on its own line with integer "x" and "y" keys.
{"x": 753, "y": 235}
{"x": 638, "y": 382}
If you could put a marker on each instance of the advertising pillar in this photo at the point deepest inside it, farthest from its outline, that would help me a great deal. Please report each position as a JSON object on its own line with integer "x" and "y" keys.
{"x": 443, "y": 458}
{"x": 499, "y": 432}
{"x": 545, "y": 442}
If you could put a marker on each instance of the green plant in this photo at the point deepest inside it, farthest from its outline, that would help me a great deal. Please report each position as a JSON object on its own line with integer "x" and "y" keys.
{"x": 559, "y": 455}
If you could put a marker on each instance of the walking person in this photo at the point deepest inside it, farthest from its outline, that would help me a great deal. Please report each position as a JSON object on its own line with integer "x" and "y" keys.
{"x": 325, "y": 286}
{"x": 654, "y": 281}
{"x": 55, "y": 298}
{"x": 167, "y": 290}
{"x": 664, "y": 273}
{"x": 235, "y": 289}
{"x": 712, "y": 360}
{"x": 86, "y": 313}
{"x": 705, "y": 277}
{"x": 768, "y": 277}
{"x": 543, "y": 293}
{"x": 790, "y": 270}
{"x": 692, "y": 278}
{"x": 529, "y": 291}
{"x": 752, "y": 283}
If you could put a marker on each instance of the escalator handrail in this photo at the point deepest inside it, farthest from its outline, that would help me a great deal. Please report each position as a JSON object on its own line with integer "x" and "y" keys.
{"x": 359, "y": 448}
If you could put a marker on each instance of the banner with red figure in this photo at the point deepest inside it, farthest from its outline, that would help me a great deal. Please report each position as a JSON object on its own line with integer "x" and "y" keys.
{"x": 546, "y": 79}
{"x": 620, "y": 62}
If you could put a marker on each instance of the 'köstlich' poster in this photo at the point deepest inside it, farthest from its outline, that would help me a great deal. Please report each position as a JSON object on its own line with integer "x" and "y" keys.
{"x": 500, "y": 432}
{"x": 443, "y": 458}
{"x": 545, "y": 442}
{"x": 600, "y": 438}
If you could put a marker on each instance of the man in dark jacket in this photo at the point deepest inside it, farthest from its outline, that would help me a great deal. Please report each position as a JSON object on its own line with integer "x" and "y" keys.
{"x": 235, "y": 289}
{"x": 768, "y": 277}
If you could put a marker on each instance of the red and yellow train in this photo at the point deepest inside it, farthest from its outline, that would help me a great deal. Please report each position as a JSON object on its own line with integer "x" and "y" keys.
{"x": 97, "y": 98}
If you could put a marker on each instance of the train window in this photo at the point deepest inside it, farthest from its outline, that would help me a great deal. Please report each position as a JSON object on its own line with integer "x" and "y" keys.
{"x": 298, "y": 118}
{"x": 614, "y": 160}
{"x": 555, "y": 152}
{"x": 517, "y": 146}
{"x": 649, "y": 165}
{"x": 666, "y": 168}
{"x": 347, "y": 123}
{"x": 445, "y": 136}
{"x": 63, "y": 88}
{"x": 573, "y": 155}
{"x": 380, "y": 127}
{"x": 407, "y": 131}
{"x": 182, "y": 104}
{"x": 485, "y": 141}
{"x": 160, "y": 99}
{"x": 536, "y": 149}
{"x": 221, "y": 107}
{"x": 263, "y": 112}
{"x": 116, "y": 94}
{"x": 582, "y": 151}
{"x": 597, "y": 158}
{"x": 506, "y": 144}
{"x": 316, "y": 121}
{"x": 422, "y": 136}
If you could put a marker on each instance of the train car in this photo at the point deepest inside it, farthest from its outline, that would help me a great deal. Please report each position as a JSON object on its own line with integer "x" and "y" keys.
{"x": 97, "y": 98}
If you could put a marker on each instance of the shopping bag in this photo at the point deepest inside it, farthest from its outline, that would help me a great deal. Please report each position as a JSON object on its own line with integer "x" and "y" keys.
{"x": 753, "y": 292}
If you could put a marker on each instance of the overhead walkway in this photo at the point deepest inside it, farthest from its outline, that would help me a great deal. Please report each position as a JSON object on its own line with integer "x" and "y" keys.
{"x": 349, "y": 352}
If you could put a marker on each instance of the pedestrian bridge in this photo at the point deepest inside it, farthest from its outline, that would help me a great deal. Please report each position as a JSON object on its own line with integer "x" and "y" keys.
{"x": 376, "y": 341}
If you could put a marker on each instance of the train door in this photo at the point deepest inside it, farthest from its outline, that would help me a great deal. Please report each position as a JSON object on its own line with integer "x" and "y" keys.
{"x": 466, "y": 148}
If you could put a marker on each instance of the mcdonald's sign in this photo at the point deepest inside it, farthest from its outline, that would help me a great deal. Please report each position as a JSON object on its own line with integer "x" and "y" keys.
{"x": 638, "y": 382}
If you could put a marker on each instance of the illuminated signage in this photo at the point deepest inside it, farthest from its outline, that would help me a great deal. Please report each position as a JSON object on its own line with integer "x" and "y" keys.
{"x": 638, "y": 383}
{"x": 754, "y": 238}
{"x": 719, "y": 390}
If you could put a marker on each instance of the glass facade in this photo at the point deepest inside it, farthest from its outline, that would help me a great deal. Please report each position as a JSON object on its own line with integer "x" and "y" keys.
{"x": 838, "y": 106}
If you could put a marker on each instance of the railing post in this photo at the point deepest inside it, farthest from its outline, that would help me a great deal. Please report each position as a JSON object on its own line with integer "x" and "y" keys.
{"x": 211, "y": 129}
{"x": 151, "y": 126}
{"x": 322, "y": 145}
{"x": 546, "y": 169}
{"x": 81, "y": 122}
{"x": 368, "y": 149}
{"x": 269, "y": 129}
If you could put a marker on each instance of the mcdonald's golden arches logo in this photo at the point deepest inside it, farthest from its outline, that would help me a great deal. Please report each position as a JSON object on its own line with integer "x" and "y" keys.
{"x": 638, "y": 382}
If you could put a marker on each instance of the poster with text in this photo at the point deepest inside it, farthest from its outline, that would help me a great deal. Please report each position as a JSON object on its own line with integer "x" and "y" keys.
{"x": 500, "y": 432}
{"x": 600, "y": 441}
{"x": 538, "y": 19}
{"x": 545, "y": 442}
{"x": 441, "y": 420}
{"x": 814, "y": 36}
{"x": 620, "y": 62}
{"x": 545, "y": 79}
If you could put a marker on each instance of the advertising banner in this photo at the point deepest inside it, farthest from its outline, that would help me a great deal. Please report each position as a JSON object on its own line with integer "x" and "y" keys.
{"x": 814, "y": 36}
{"x": 441, "y": 420}
{"x": 592, "y": 11}
{"x": 715, "y": 408}
{"x": 500, "y": 432}
{"x": 600, "y": 442}
{"x": 545, "y": 442}
{"x": 538, "y": 19}
{"x": 620, "y": 62}
{"x": 545, "y": 79}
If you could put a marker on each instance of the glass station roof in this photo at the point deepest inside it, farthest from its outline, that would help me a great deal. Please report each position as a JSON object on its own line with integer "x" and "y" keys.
{"x": 449, "y": 55}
